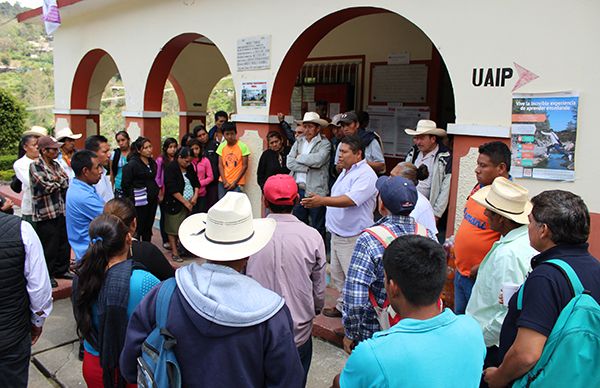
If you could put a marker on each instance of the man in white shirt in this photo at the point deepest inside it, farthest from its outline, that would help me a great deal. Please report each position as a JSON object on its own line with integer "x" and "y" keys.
{"x": 25, "y": 301}
{"x": 99, "y": 145}
{"x": 507, "y": 263}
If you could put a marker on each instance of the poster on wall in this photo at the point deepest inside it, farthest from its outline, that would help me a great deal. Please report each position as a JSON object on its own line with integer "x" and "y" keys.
{"x": 543, "y": 135}
{"x": 254, "y": 93}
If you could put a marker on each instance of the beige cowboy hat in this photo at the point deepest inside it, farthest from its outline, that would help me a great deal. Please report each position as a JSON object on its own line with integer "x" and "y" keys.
{"x": 506, "y": 198}
{"x": 36, "y": 130}
{"x": 227, "y": 232}
{"x": 66, "y": 133}
{"x": 426, "y": 127}
{"x": 313, "y": 117}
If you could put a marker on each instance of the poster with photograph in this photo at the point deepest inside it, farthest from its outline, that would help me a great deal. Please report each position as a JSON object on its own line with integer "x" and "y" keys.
{"x": 544, "y": 132}
{"x": 254, "y": 93}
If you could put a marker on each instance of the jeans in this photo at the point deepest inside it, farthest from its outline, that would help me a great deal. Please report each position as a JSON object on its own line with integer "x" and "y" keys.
{"x": 222, "y": 191}
{"x": 462, "y": 292}
{"x": 14, "y": 364}
{"x": 314, "y": 217}
{"x": 305, "y": 353}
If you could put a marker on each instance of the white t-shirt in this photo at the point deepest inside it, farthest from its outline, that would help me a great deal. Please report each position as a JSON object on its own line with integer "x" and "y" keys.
{"x": 423, "y": 213}
{"x": 104, "y": 187}
{"x": 21, "y": 167}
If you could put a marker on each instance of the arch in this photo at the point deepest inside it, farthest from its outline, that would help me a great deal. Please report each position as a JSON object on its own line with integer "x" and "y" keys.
{"x": 299, "y": 51}
{"x": 96, "y": 59}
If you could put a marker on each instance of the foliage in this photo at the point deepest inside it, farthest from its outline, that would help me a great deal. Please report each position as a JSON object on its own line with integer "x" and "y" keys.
{"x": 6, "y": 175}
{"x": 12, "y": 116}
{"x": 169, "y": 124}
{"x": 221, "y": 98}
{"x": 7, "y": 161}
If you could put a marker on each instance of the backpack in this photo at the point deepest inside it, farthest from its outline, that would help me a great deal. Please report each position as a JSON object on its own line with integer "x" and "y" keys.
{"x": 571, "y": 353}
{"x": 386, "y": 316}
{"x": 157, "y": 365}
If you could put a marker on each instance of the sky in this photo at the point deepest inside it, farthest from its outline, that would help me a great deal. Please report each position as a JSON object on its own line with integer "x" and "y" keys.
{"x": 28, "y": 3}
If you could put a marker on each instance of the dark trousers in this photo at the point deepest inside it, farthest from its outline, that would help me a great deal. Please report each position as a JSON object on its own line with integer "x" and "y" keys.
{"x": 305, "y": 353}
{"x": 14, "y": 364}
{"x": 53, "y": 236}
{"x": 145, "y": 220}
{"x": 314, "y": 217}
{"x": 161, "y": 223}
{"x": 212, "y": 193}
{"x": 491, "y": 360}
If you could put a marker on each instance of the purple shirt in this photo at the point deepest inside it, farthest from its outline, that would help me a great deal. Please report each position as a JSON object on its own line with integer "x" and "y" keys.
{"x": 358, "y": 184}
{"x": 292, "y": 264}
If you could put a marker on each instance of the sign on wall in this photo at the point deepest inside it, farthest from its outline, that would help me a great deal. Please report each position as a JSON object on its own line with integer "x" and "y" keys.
{"x": 254, "y": 53}
{"x": 399, "y": 83}
{"x": 254, "y": 93}
{"x": 544, "y": 131}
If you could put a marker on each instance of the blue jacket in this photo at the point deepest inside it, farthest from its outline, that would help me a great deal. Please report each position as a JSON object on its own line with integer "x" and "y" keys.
{"x": 231, "y": 332}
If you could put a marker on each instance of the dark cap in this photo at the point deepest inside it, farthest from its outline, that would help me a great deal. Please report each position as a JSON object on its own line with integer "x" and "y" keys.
{"x": 281, "y": 189}
{"x": 399, "y": 195}
{"x": 48, "y": 142}
{"x": 347, "y": 118}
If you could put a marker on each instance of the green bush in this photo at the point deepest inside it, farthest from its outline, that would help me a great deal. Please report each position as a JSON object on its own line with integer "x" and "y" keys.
{"x": 12, "y": 118}
{"x": 6, "y": 175}
{"x": 7, "y": 161}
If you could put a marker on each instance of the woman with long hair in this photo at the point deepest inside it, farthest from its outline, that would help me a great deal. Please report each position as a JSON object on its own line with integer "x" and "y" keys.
{"x": 209, "y": 149}
{"x": 28, "y": 153}
{"x": 181, "y": 194}
{"x": 106, "y": 292}
{"x": 169, "y": 148}
{"x": 142, "y": 252}
{"x": 118, "y": 160}
{"x": 423, "y": 212}
{"x": 139, "y": 185}
{"x": 203, "y": 172}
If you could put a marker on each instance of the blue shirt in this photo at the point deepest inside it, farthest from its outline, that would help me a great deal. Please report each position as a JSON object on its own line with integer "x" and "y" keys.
{"x": 82, "y": 206}
{"x": 444, "y": 351}
{"x": 358, "y": 184}
{"x": 366, "y": 273}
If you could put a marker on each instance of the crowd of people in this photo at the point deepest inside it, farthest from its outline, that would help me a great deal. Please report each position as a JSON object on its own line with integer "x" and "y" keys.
{"x": 243, "y": 314}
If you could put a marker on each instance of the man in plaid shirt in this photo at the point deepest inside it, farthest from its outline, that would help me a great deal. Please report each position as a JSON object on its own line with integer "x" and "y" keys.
{"x": 397, "y": 198}
{"x": 49, "y": 185}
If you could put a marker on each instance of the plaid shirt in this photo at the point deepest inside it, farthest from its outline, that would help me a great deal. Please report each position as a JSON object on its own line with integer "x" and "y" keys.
{"x": 366, "y": 273}
{"x": 49, "y": 185}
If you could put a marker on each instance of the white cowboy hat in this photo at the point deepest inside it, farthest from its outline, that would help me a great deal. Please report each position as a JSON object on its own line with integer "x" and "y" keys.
{"x": 426, "y": 127}
{"x": 36, "y": 130}
{"x": 506, "y": 198}
{"x": 66, "y": 133}
{"x": 227, "y": 232}
{"x": 313, "y": 117}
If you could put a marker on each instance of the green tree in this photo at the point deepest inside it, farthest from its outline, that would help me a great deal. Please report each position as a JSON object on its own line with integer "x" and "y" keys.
{"x": 12, "y": 119}
{"x": 221, "y": 98}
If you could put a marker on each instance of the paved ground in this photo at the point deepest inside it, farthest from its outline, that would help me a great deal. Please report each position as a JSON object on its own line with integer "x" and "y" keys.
{"x": 55, "y": 363}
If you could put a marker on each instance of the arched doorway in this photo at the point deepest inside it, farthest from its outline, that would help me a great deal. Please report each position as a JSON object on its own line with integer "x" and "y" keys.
{"x": 94, "y": 72}
{"x": 193, "y": 65}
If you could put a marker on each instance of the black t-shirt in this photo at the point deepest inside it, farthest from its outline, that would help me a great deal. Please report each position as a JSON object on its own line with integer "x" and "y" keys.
{"x": 547, "y": 291}
{"x": 152, "y": 258}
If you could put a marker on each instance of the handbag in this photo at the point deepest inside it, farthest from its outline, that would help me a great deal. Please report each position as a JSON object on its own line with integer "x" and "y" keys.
{"x": 140, "y": 196}
{"x": 15, "y": 184}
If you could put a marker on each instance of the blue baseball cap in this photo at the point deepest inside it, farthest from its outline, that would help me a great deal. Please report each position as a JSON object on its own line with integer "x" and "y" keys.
{"x": 399, "y": 195}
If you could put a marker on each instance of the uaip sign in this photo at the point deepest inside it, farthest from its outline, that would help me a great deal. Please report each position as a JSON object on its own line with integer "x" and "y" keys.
{"x": 498, "y": 77}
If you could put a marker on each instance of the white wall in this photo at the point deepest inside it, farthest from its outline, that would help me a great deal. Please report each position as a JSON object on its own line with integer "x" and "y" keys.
{"x": 554, "y": 39}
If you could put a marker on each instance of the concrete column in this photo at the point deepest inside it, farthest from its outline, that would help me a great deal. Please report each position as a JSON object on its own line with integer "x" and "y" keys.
{"x": 86, "y": 122}
{"x": 145, "y": 124}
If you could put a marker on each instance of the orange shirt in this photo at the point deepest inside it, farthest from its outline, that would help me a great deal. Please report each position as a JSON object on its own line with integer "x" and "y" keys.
{"x": 233, "y": 160}
{"x": 474, "y": 238}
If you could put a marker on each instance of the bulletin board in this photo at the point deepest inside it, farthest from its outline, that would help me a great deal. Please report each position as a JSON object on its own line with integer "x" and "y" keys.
{"x": 399, "y": 83}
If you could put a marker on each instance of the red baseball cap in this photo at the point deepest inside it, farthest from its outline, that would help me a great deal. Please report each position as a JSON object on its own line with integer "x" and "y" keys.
{"x": 281, "y": 189}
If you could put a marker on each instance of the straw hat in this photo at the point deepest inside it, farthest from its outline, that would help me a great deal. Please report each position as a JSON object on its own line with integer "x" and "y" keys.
{"x": 506, "y": 198}
{"x": 66, "y": 133}
{"x": 36, "y": 130}
{"x": 426, "y": 127}
{"x": 227, "y": 232}
{"x": 313, "y": 117}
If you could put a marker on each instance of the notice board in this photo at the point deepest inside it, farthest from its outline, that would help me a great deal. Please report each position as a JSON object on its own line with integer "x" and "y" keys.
{"x": 399, "y": 83}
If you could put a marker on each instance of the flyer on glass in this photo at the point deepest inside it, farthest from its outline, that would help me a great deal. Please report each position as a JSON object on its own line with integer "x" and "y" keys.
{"x": 544, "y": 132}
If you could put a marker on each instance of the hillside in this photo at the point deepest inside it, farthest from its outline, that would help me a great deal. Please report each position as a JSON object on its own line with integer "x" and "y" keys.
{"x": 26, "y": 64}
